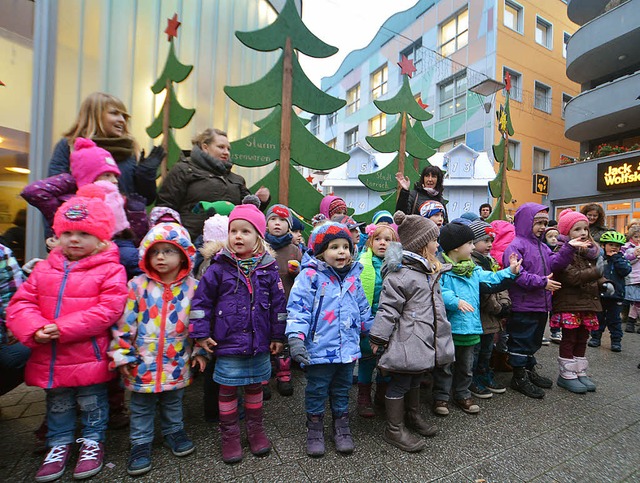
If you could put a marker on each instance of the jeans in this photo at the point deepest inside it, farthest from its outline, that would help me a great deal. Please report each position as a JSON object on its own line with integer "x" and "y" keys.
{"x": 482, "y": 353}
{"x": 325, "y": 380}
{"x": 61, "y": 413}
{"x": 401, "y": 384}
{"x": 525, "y": 337}
{"x": 458, "y": 375}
{"x": 609, "y": 318}
{"x": 143, "y": 411}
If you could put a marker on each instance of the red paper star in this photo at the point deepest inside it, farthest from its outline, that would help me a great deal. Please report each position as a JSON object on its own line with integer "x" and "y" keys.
{"x": 172, "y": 27}
{"x": 507, "y": 81}
{"x": 421, "y": 104}
{"x": 310, "y": 179}
{"x": 406, "y": 66}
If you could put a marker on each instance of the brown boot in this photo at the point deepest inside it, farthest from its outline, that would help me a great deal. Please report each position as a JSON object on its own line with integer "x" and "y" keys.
{"x": 414, "y": 418}
{"x": 500, "y": 362}
{"x": 396, "y": 433}
{"x": 365, "y": 406}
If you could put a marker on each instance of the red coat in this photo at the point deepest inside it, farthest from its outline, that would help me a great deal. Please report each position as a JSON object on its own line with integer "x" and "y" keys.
{"x": 84, "y": 298}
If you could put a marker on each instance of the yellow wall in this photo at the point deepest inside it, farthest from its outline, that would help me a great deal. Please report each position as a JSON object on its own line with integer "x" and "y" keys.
{"x": 533, "y": 127}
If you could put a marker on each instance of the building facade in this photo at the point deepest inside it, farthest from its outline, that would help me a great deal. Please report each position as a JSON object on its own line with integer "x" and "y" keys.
{"x": 603, "y": 55}
{"x": 455, "y": 45}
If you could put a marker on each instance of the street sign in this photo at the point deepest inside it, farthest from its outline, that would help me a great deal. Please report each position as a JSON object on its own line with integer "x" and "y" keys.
{"x": 540, "y": 184}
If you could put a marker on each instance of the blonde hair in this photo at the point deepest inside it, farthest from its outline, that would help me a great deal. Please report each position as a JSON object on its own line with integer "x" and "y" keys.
{"x": 208, "y": 135}
{"x": 88, "y": 124}
{"x": 431, "y": 258}
{"x": 261, "y": 245}
{"x": 378, "y": 231}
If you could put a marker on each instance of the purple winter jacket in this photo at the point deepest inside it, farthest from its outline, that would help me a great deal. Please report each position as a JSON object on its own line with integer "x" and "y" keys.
{"x": 528, "y": 293}
{"x": 242, "y": 315}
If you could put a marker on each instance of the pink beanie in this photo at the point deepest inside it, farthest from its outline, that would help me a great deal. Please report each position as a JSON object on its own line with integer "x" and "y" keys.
{"x": 115, "y": 201}
{"x": 88, "y": 161}
{"x": 330, "y": 205}
{"x": 568, "y": 218}
{"x": 251, "y": 214}
{"x": 85, "y": 212}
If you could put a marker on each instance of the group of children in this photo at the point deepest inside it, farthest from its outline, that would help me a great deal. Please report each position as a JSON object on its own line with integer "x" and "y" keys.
{"x": 417, "y": 296}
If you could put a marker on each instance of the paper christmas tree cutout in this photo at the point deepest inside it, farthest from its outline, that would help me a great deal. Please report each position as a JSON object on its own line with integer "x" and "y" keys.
{"x": 282, "y": 137}
{"x": 499, "y": 186}
{"x": 172, "y": 115}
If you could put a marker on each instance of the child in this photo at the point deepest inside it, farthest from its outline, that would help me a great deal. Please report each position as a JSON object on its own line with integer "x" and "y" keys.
{"x": 412, "y": 326}
{"x": 631, "y": 251}
{"x": 288, "y": 258}
{"x": 531, "y": 295}
{"x": 332, "y": 205}
{"x": 354, "y": 229}
{"x": 154, "y": 328}
{"x": 327, "y": 312}
{"x": 297, "y": 230}
{"x": 576, "y": 302}
{"x": 238, "y": 315}
{"x": 434, "y": 211}
{"x": 551, "y": 240}
{"x": 494, "y": 307}
{"x": 371, "y": 277}
{"x": 616, "y": 268}
{"x": 461, "y": 294}
{"x": 63, "y": 313}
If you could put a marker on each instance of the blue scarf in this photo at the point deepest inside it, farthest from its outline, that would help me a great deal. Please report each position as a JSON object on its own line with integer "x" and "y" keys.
{"x": 277, "y": 242}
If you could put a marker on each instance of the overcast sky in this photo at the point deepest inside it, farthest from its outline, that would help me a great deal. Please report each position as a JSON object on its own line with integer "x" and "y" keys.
{"x": 346, "y": 24}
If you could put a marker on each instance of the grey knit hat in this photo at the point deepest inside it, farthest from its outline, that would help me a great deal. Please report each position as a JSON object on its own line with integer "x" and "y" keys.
{"x": 415, "y": 231}
{"x": 454, "y": 235}
{"x": 282, "y": 211}
{"x": 481, "y": 229}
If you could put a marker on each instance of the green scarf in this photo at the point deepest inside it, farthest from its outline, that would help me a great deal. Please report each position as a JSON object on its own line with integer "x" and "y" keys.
{"x": 248, "y": 265}
{"x": 463, "y": 268}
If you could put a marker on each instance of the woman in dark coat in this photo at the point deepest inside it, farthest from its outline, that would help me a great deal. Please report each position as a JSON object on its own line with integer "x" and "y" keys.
{"x": 428, "y": 188}
{"x": 595, "y": 215}
{"x": 204, "y": 176}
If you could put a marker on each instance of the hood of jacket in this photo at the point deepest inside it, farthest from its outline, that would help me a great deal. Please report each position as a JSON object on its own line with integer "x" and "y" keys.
{"x": 523, "y": 220}
{"x": 174, "y": 234}
{"x": 395, "y": 258}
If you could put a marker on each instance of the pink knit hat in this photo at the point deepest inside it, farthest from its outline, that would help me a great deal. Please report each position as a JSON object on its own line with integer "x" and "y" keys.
{"x": 88, "y": 213}
{"x": 216, "y": 228}
{"x": 88, "y": 161}
{"x": 115, "y": 201}
{"x": 251, "y": 214}
{"x": 568, "y": 218}
{"x": 331, "y": 205}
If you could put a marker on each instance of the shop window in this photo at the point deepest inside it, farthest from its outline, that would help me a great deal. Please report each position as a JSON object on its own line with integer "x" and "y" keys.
{"x": 379, "y": 82}
{"x": 454, "y": 33}
{"x": 353, "y": 99}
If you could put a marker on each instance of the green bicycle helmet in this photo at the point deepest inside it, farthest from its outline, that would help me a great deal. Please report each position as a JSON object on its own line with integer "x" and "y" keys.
{"x": 613, "y": 237}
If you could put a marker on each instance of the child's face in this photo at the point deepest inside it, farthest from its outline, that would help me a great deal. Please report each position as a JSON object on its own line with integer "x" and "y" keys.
{"x": 355, "y": 236}
{"x": 337, "y": 254}
{"x": 277, "y": 226}
{"x": 78, "y": 244}
{"x": 611, "y": 249}
{"x": 483, "y": 246}
{"x": 297, "y": 238}
{"x": 381, "y": 243}
{"x": 114, "y": 122}
{"x": 539, "y": 226}
{"x": 463, "y": 252}
{"x": 636, "y": 239}
{"x": 552, "y": 238}
{"x": 110, "y": 177}
{"x": 579, "y": 231}
{"x": 243, "y": 238}
{"x": 432, "y": 247}
{"x": 438, "y": 218}
{"x": 166, "y": 259}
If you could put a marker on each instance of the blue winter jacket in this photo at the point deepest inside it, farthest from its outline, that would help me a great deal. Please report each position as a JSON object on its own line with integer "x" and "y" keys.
{"x": 331, "y": 314}
{"x": 616, "y": 268}
{"x": 129, "y": 257}
{"x": 456, "y": 287}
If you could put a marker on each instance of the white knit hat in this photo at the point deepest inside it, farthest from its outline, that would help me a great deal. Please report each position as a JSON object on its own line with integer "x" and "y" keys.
{"x": 216, "y": 228}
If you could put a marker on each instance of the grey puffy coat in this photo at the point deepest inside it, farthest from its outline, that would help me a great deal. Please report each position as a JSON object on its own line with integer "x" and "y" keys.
{"x": 411, "y": 319}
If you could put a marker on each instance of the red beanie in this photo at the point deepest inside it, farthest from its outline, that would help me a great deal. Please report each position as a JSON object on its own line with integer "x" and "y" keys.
{"x": 88, "y": 161}
{"x": 568, "y": 218}
{"x": 86, "y": 212}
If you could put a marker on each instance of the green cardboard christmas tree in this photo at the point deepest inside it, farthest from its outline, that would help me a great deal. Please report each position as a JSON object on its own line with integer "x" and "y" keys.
{"x": 282, "y": 137}
{"x": 403, "y": 138}
{"x": 172, "y": 115}
{"x": 499, "y": 186}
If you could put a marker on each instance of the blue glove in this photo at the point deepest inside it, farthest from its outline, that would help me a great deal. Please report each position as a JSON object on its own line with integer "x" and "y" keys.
{"x": 298, "y": 351}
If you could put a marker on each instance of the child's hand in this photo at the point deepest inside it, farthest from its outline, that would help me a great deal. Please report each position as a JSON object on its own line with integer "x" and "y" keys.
{"x": 514, "y": 264}
{"x": 126, "y": 370}
{"x": 374, "y": 347}
{"x": 199, "y": 361}
{"x": 575, "y": 243}
{"x": 552, "y": 285}
{"x": 276, "y": 347}
{"x": 293, "y": 267}
{"x": 47, "y": 334}
{"x": 207, "y": 344}
{"x": 464, "y": 306}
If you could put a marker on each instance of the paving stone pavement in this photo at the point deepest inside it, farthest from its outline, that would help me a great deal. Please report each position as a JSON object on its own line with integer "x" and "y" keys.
{"x": 563, "y": 438}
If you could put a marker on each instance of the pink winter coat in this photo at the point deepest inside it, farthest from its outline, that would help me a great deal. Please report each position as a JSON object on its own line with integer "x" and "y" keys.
{"x": 84, "y": 298}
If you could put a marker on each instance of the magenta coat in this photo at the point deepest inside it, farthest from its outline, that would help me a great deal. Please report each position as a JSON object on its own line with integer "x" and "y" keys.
{"x": 84, "y": 298}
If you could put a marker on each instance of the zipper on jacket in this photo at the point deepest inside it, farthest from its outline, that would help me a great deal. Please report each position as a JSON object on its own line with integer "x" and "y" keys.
{"x": 96, "y": 349}
{"x": 544, "y": 265}
{"x": 67, "y": 269}
{"x": 163, "y": 324}
{"x": 315, "y": 321}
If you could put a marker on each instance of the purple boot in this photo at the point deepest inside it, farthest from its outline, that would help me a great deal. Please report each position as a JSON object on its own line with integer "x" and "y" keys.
{"x": 230, "y": 434}
{"x": 258, "y": 440}
{"x": 315, "y": 434}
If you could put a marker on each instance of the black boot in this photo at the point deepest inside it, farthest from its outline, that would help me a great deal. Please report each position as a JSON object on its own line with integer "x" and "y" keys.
{"x": 538, "y": 380}
{"x": 521, "y": 383}
{"x": 631, "y": 325}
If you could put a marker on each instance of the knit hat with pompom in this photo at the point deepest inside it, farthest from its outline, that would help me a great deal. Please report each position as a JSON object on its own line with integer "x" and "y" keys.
{"x": 568, "y": 218}
{"x": 249, "y": 211}
{"x": 322, "y": 235}
{"x": 216, "y": 228}
{"x": 415, "y": 231}
{"x": 86, "y": 212}
{"x": 88, "y": 161}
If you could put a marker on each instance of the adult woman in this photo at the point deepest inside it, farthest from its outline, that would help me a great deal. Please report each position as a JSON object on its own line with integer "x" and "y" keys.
{"x": 595, "y": 215}
{"x": 205, "y": 176}
{"x": 428, "y": 188}
{"x": 103, "y": 118}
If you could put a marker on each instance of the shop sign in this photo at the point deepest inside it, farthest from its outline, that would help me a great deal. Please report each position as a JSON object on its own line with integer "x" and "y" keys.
{"x": 619, "y": 174}
{"x": 540, "y": 184}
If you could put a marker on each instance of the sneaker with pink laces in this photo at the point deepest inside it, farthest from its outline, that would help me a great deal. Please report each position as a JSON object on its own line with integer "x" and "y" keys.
{"x": 89, "y": 459}
{"x": 54, "y": 463}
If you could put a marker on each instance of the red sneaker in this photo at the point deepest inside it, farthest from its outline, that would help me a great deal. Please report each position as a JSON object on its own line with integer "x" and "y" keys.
{"x": 54, "y": 463}
{"x": 89, "y": 459}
